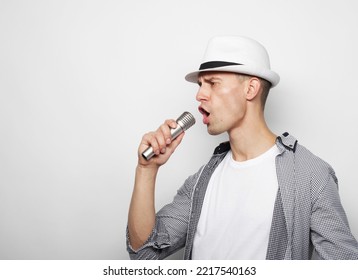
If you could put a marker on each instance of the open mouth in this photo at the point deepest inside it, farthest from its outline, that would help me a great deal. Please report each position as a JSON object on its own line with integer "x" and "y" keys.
{"x": 205, "y": 114}
{"x": 203, "y": 111}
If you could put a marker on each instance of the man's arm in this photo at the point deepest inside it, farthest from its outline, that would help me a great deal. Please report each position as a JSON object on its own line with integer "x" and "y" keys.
{"x": 331, "y": 234}
{"x": 141, "y": 216}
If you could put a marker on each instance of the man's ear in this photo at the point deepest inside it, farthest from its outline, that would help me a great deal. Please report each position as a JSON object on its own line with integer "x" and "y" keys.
{"x": 252, "y": 88}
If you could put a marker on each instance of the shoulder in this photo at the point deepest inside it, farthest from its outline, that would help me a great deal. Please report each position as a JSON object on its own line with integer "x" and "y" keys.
{"x": 302, "y": 156}
{"x": 310, "y": 169}
{"x": 318, "y": 171}
{"x": 310, "y": 161}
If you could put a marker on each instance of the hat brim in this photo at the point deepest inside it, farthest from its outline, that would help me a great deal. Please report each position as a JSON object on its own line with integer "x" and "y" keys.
{"x": 266, "y": 74}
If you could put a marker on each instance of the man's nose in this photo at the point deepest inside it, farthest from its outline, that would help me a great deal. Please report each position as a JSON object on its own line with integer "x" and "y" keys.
{"x": 202, "y": 94}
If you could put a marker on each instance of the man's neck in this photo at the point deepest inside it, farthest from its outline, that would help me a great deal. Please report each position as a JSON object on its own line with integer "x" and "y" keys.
{"x": 250, "y": 141}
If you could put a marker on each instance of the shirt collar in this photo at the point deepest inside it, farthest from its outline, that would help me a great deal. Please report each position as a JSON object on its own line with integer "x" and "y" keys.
{"x": 284, "y": 142}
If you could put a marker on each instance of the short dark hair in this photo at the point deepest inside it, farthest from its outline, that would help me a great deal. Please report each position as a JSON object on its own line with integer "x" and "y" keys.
{"x": 265, "y": 86}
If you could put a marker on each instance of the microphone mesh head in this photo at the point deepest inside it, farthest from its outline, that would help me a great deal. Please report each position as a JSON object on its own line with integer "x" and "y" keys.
{"x": 186, "y": 120}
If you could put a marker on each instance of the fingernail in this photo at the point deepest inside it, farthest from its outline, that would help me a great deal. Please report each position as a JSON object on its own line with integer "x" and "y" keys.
{"x": 169, "y": 141}
{"x": 163, "y": 150}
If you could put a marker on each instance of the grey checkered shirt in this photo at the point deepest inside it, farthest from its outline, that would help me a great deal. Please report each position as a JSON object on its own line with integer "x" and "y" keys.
{"x": 308, "y": 215}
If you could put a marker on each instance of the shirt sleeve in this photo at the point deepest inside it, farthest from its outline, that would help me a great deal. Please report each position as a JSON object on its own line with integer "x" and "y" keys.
{"x": 330, "y": 232}
{"x": 170, "y": 229}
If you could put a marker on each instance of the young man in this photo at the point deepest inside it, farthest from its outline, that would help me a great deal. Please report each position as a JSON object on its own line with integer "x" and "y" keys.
{"x": 260, "y": 196}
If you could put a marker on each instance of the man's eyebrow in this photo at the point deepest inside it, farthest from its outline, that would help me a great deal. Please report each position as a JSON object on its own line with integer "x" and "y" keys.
{"x": 207, "y": 79}
{"x": 211, "y": 78}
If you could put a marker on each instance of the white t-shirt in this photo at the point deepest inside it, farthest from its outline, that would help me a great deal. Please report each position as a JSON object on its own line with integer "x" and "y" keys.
{"x": 236, "y": 217}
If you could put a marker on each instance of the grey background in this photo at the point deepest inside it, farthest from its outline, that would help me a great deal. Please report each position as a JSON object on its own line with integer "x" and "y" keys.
{"x": 81, "y": 81}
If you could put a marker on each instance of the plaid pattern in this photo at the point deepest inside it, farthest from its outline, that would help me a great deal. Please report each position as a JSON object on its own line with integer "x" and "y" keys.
{"x": 308, "y": 214}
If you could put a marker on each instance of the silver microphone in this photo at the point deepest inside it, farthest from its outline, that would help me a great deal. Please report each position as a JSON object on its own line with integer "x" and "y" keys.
{"x": 185, "y": 121}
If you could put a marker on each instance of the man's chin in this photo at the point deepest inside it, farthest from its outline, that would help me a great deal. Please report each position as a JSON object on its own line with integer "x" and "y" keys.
{"x": 213, "y": 132}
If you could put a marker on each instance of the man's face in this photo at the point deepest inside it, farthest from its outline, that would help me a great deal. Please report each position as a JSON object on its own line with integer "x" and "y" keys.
{"x": 222, "y": 101}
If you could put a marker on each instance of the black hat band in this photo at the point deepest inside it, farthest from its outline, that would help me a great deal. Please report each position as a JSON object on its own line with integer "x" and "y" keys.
{"x": 215, "y": 64}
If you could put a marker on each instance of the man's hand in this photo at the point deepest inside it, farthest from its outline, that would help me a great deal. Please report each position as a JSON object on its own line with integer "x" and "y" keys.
{"x": 160, "y": 141}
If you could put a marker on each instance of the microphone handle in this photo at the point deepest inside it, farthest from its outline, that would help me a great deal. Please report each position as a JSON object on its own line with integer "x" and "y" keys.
{"x": 174, "y": 132}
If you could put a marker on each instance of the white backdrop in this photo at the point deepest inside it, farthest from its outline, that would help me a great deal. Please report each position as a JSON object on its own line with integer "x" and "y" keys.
{"x": 81, "y": 81}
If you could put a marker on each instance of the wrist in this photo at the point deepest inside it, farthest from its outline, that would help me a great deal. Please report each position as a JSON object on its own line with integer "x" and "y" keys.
{"x": 147, "y": 169}
{"x": 145, "y": 177}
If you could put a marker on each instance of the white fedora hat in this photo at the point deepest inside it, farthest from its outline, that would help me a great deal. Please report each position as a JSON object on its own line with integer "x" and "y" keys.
{"x": 236, "y": 54}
